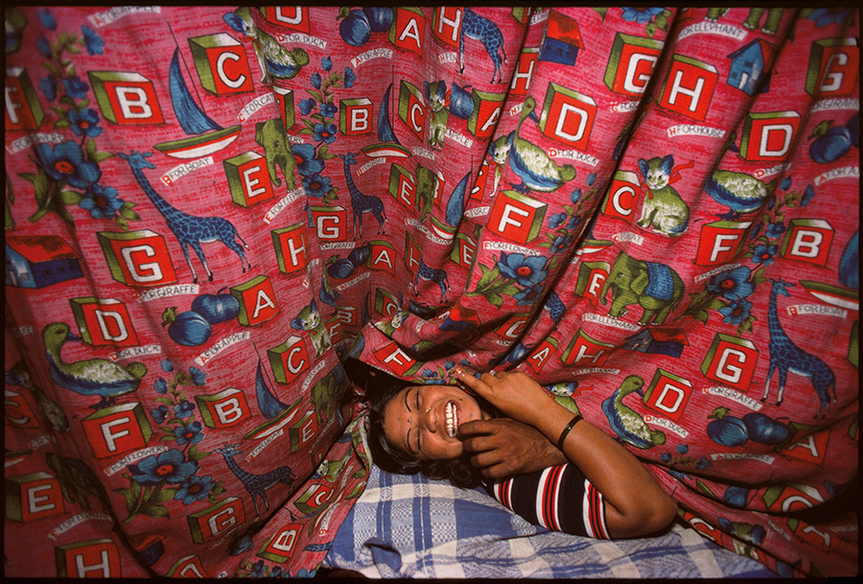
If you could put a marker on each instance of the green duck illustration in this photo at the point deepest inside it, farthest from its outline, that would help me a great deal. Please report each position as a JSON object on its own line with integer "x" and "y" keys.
{"x": 89, "y": 376}
{"x": 626, "y": 422}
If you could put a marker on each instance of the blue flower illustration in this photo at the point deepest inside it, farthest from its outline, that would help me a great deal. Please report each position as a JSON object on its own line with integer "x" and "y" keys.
{"x": 528, "y": 296}
{"x": 665, "y": 457}
{"x": 575, "y": 195}
{"x": 753, "y": 233}
{"x": 307, "y": 105}
{"x": 48, "y": 85}
{"x": 316, "y": 80}
{"x": 159, "y": 414}
{"x": 350, "y": 77}
{"x": 573, "y": 222}
{"x": 560, "y": 243}
{"x": 317, "y": 185}
{"x": 94, "y": 43}
{"x": 703, "y": 463}
{"x": 194, "y": 488}
{"x": 640, "y": 15}
{"x": 102, "y": 202}
{"x": 328, "y": 110}
{"x": 824, "y": 16}
{"x": 44, "y": 46}
{"x": 682, "y": 449}
{"x": 75, "y": 88}
{"x": 808, "y": 194}
{"x": 169, "y": 467}
{"x": 556, "y": 220}
{"x": 322, "y": 133}
{"x": 167, "y": 366}
{"x": 591, "y": 178}
{"x": 191, "y": 435}
{"x": 786, "y": 183}
{"x": 304, "y": 155}
{"x": 47, "y": 19}
{"x": 184, "y": 409}
{"x": 257, "y": 570}
{"x": 774, "y": 230}
{"x": 736, "y": 312}
{"x": 527, "y": 271}
{"x": 428, "y": 373}
{"x": 66, "y": 162}
{"x": 198, "y": 377}
{"x": 732, "y": 284}
{"x": 326, "y": 63}
{"x": 764, "y": 254}
{"x": 85, "y": 122}
{"x": 160, "y": 385}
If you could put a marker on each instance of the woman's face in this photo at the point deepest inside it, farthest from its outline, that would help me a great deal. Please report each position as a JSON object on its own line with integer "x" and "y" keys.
{"x": 423, "y": 421}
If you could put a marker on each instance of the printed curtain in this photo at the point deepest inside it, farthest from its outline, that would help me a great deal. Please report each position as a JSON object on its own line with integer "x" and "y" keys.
{"x": 652, "y": 211}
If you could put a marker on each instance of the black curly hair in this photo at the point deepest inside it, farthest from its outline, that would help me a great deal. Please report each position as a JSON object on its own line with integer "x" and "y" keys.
{"x": 379, "y": 388}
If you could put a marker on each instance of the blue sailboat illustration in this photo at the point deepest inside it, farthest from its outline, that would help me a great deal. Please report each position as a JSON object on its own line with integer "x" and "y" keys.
{"x": 276, "y": 413}
{"x": 389, "y": 144}
{"x": 205, "y": 136}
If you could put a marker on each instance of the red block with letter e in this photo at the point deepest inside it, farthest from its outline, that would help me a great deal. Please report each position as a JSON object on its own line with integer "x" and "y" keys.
{"x": 221, "y": 63}
{"x": 585, "y": 351}
{"x": 408, "y": 29}
{"x": 23, "y": 111}
{"x": 396, "y": 360}
{"x": 285, "y": 101}
{"x": 248, "y": 178}
{"x": 33, "y": 496}
{"x": 622, "y": 196}
{"x": 464, "y": 250}
{"x": 292, "y": 17}
{"x": 668, "y": 394}
{"x": 290, "y": 246}
{"x": 117, "y": 429}
{"x": 591, "y": 279}
{"x": 211, "y": 523}
{"x": 523, "y": 71}
{"x": 834, "y": 65}
{"x": 731, "y": 361}
{"x": 355, "y": 116}
{"x": 126, "y": 99}
{"x": 137, "y": 258}
{"x": 103, "y": 322}
{"x": 280, "y": 547}
{"x": 224, "y": 409}
{"x": 568, "y": 116}
{"x": 257, "y": 301}
{"x": 689, "y": 87}
{"x": 516, "y": 217}
{"x": 330, "y": 223}
{"x": 768, "y": 136}
{"x": 402, "y": 186}
{"x": 447, "y": 24}
{"x": 631, "y": 64}
{"x": 540, "y": 355}
{"x": 95, "y": 558}
{"x": 412, "y": 108}
{"x": 303, "y": 432}
{"x": 486, "y": 112}
{"x": 720, "y": 242}
{"x": 808, "y": 240}
{"x": 289, "y": 360}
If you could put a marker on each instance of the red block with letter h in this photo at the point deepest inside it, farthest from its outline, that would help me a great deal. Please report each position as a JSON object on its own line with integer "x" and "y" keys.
{"x": 689, "y": 87}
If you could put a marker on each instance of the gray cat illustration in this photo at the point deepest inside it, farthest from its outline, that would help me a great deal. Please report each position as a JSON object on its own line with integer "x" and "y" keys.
{"x": 663, "y": 208}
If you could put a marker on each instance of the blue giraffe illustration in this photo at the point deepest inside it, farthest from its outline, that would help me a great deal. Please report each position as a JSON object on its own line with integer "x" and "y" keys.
{"x": 438, "y": 276}
{"x": 482, "y": 29}
{"x": 255, "y": 484}
{"x": 788, "y": 357}
{"x": 190, "y": 231}
{"x": 361, "y": 203}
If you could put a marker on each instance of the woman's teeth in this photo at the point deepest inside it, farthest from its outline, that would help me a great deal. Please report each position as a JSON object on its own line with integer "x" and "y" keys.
{"x": 451, "y": 419}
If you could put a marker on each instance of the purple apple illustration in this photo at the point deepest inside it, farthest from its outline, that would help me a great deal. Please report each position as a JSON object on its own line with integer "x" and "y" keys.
{"x": 186, "y": 328}
{"x": 830, "y": 144}
{"x": 355, "y": 28}
{"x": 380, "y": 18}
{"x": 216, "y": 308}
{"x": 737, "y": 496}
{"x": 340, "y": 269}
{"x": 762, "y": 428}
{"x": 726, "y": 430}
{"x": 853, "y": 126}
{"x": 359, "y": 255}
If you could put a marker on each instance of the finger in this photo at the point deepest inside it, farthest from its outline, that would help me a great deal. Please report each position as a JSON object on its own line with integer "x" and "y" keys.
{"x": 475, "y": 428}
{"x": 472, "y": 382}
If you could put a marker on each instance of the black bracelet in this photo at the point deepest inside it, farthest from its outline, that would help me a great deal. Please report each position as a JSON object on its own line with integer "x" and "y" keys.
{"x": 566, "y": 430}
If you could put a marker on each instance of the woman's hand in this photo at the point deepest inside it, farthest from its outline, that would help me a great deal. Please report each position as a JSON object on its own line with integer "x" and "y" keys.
{"x": 515, "y": 394}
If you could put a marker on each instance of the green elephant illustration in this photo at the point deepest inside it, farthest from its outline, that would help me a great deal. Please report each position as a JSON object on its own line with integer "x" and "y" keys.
{"x": 653, "y": 286}
{"x": 753, "y": 19}
{"x": 271, "y": 135}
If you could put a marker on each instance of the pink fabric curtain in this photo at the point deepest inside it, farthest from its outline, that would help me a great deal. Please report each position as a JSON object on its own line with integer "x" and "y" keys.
{"x": 652, "y": 211}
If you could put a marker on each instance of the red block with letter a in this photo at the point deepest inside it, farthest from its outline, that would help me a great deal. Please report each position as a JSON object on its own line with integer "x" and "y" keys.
{"x": 33, "y": 496}
{"x": 382, "y": 256}
{"x": 137, "y": 258}
{"x": 516, "y": 217}
{"x": 23, "y": 111}
{"x": 720, "y": 242}
{"x": 689, "y": 87}
{"x": 257, "y": 301}
{"x": 446, "y": 24}
{"x": 731, "y": 361}
{"x": 126, "y": 99}
{"x": 811, "y": 447}
{"x": 668, "y": 394}
{"x": 540, "y": 355}
{"x": 808, "y": 240}
{"x": 486, "y": 112}
{"x": 568, "y": 116}
{"x": 95, "y": 558}
{"x": 292, "y": 17}
{"x": 622, "y": 196}
{"x": 117, "y": 429}
{"x": 408, "y": 29}
{"x": 104, "y": 322}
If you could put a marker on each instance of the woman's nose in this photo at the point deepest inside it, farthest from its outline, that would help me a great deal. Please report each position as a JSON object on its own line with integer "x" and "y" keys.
{"x": 430, "y": 419}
